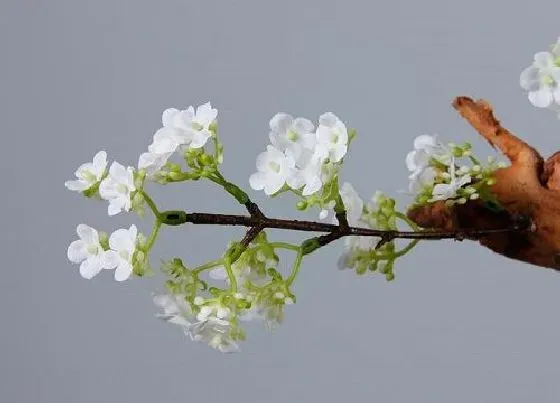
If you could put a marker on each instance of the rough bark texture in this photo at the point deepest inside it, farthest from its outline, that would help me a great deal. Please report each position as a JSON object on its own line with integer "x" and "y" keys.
{"x": 528, "y": 188}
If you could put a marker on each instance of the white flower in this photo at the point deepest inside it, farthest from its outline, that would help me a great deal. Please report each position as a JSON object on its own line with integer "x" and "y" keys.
{"x": 308, "y": 172}
{"x": 152, "y": 162}
{"x": 89, "y": 174}
{"x": 324, "y": 213}
{"x": 421, "y": 179}
{"x": 445, "y": 191}
{"x": 175, "y": 310}
{"x": 87, "y": 251}
{"x": 215, "y": 332}
{"x": 332, "y": 138}
{"x": 541, "y": 80}
{"x": 426, "y": 147}
{"x": 117, "y": 188}
{"x": 123, "y": 245}
{"x": 352, "y": 203}
{"x": 213, "y": 309}
{"x": 291, "y": 134}
{"x": 274, "y": 168}
{"x": 195, "y": 123}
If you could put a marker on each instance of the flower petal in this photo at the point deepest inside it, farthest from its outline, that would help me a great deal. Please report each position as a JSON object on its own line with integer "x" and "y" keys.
{"x": 88, "y": 234}
{"x": 541, "y": 98}
{"x": 281, "y": 122}
{"x": 90, "y": 267}
{"x": 258, "y": 180}
{"x": 123, "y": 271}
{"x": 77, "y": 185}
{"x": 543, "y": 59}
{"x": 77, "y": 251}
{"x": 529, "y": 79}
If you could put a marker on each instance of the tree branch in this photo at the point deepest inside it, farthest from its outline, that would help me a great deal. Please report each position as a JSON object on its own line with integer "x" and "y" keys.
{"x": 259, "y": 223}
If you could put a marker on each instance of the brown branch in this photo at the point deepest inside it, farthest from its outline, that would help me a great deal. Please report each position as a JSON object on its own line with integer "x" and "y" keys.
{"x": 334, "y": 231}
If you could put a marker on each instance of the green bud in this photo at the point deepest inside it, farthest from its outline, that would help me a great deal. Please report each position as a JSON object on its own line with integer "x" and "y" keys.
{"x": 104, "y": 240}
{"x": 213, "y": 128}
{"x": 351, "y": 134}
{"x": 214, "y": 291}
{"x": 301, "y": 205}
{"x": 310, "y": 245}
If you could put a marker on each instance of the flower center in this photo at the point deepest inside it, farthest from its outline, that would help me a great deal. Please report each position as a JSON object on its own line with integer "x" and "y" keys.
{"x": 334, "y": 137}
{"x": 292, "y": 135}
{"x": 124, "y": 254}
{"x": 93, "y": 249}
{"x": 122, "y": 188}
{"x": 89, "y": 176}
{"x": 548, "y": 80}
{"x": 197, "y": 126}
{"x": 274, "y": 166}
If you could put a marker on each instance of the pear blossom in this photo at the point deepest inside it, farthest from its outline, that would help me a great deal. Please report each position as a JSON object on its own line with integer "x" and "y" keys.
{"x": 89, "y": 174}
{"x": 291, "y": 134}
{"x": 117, "y": 188}
{"x": 87, "y": 251}
{"x": 211, "y": 330}
{"x": 446, "y": 191}
{"x": 426, "y": 147}
{"x": 215, "y": 332}
{"x": 274, "y": 169}
{"x": 352, "y": 203}
{"x": 213, "y": 309}
{"x": 152, "y": 162}
{"x": 542, "y": 79}
{"x": 195, "y": 123}
{"x": 332, "y": 137}
{"x": 123, "y": 243}
{"x": 175, "y": 310}
{"x": 308, "y": 173}
{"x": 421, "y": 179}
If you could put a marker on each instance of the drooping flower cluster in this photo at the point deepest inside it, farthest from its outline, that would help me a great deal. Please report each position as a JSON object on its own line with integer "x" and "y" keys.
{"x": 303, "y": 159}
{"x": 447, "y": 172}
{"x": 542, "y": 79}
{"x": 361, "y": 253}
{"x": 253, "y": 289}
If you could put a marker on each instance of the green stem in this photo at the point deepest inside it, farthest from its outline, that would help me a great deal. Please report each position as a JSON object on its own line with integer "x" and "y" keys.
{"x": 153, "y": 235}
{"x": 209, "y": 265}
{"x": 150, "y": 203}
{"x": 231, "y": 276}
{"x": 295, "y": 268}
{"x": 284, "y": 245}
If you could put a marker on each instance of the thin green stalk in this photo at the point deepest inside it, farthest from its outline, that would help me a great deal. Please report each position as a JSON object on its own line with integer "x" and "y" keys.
{"x": 209, "y": 265}
{"x": 295, "y": 268}
{"x": 153, "y": 235}
{"x": 150, "y": 203}
{"x": 284, "y": 245}
{"x": 231, "y": 276}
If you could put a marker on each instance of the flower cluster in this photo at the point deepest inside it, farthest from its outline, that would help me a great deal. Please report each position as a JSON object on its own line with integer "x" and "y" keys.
{"x": 448, "y": 172}
{"x": 186, "y": 130}
{"x": 542, "y": 79}
{"x": 250, "y": 289}
{"x": 122, "y": 251}
{"x": 303, "y": 159}
{"x": 361, "y": 253}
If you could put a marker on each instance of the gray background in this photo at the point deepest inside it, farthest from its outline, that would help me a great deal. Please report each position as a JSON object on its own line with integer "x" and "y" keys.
{"x": 459, "y": 324}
